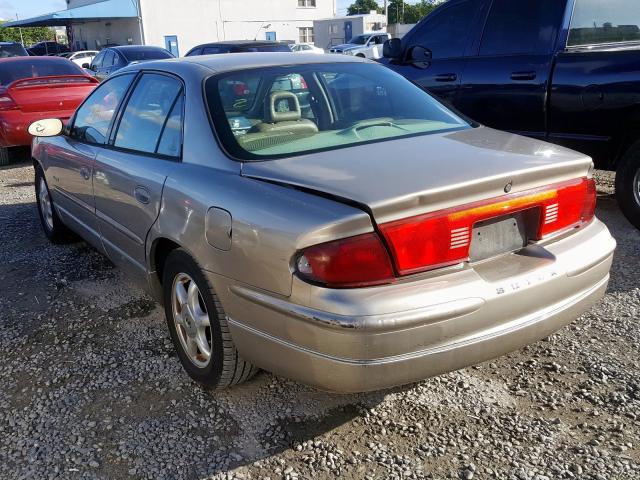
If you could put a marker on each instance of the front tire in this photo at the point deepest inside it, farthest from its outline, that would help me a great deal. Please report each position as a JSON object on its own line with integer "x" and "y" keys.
{"x": 628, "y": 185}
{"x": 198, "y": 326}
{"x": 56, "y": 231}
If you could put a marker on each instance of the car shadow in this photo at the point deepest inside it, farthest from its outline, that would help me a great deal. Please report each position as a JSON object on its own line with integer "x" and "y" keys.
{"x": 19, "y": 157}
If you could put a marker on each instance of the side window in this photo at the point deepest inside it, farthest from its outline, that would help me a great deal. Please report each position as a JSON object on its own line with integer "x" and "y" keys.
{"x": 117, "y": 60}
{"x": 147, "y": 112}
{"x": 446, "y": 33}
{"x": 94, "y": 117}
{"x": 109, "y": 57}
{"x": 171, "y": 137}
{"x": 598, "y": 22}
{"x": 97, "y": 61}
{"x": 211, "y": 50}
{"x": 523, "y": 27}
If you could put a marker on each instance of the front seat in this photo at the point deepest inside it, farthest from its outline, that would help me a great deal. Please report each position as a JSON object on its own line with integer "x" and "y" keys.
{"x": 282, "y": 115}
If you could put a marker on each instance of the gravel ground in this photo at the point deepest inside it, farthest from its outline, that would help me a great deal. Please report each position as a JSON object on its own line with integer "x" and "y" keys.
{"x": 90, "y": 387}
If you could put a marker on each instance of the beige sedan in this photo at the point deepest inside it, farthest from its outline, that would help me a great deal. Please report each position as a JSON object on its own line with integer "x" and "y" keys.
{"x": 322, "y": 218}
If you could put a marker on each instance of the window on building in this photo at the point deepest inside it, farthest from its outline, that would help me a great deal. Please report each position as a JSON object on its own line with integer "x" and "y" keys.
{"x": 306, "y": 3}
{"x": 598, "y": 22}
{"x": 306, "y": 34}
{"x": 146, "y": 115}
{"x": 334, "y": 28}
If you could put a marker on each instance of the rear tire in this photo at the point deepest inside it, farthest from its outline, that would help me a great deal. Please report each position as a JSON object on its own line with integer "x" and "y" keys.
{"x": 56, "y": 231}
{"x": 198, "y": 326}
{"x": 628, "y": 185}
{"x": 5, "y": 156}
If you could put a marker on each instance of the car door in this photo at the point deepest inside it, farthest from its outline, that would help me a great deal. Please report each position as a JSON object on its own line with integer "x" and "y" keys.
{"x": 70, "y": 159}
{"x": 447, "y": 35}
{"x": 505, "y": 84}
{"x": 104, "y": 69}
{"x": 129, "y": 175}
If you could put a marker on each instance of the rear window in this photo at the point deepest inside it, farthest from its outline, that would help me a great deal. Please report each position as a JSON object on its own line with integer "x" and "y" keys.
{"x": 15, "y": 50}
{"x": 596, "y": 22}
{"x": 291, "y": 110}
{"x": 142, "y": 54}
{"x": 267, "y": 48}
{"x": 33, "y": 67}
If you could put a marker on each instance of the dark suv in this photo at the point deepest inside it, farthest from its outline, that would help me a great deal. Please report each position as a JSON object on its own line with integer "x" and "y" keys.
{"x": 48, "y": 48}
{"x": 12, "y": 49}
{"x": 240, "y": 46}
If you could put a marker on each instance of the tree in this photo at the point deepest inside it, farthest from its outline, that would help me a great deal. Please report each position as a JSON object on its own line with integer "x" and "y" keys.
{"x": 30, "y": 35}
{"x": 403, "y": 12}
{"x": 363, "y": 6}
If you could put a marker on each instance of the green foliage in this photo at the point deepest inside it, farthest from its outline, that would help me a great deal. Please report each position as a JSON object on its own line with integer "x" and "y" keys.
{"x": 363, "y": 6}
{"x": 31, "y": 35}
{"x": 403, "y": 12}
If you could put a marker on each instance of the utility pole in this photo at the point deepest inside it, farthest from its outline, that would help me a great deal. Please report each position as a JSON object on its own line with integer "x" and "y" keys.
{"x": 386, "y": 10}
{"x": 20, "y": 29}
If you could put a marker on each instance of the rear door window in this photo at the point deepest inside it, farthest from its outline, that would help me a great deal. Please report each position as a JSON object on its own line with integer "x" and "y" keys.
{"x": 523, "y": 27}
{"x": 446, "y": 32}
{"x": 600, "y": 22}
{"x": 146, "y": 114}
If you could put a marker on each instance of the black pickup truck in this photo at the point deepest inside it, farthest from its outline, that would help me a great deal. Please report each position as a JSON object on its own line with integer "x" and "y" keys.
{"x": 566, "y": 71}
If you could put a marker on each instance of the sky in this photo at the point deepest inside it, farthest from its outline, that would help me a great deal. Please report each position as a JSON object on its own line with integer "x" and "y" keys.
{"x": 31, "y": 8}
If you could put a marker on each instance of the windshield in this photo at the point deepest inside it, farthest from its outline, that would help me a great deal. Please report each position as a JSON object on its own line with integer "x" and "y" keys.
{"x": 34, "y": 67}
{"x": 360, "y": 39}
{"x": 142, "y": 54}
{"x": 12, "y": 50}
{"x": 284, "y": 111}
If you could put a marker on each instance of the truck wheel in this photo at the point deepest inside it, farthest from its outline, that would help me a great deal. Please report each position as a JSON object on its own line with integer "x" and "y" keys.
{"x": 628, "y": 185}
{"x": 54, "y": 229}
{"x": 198, "y": 326}
{"x": 5, "y": 157}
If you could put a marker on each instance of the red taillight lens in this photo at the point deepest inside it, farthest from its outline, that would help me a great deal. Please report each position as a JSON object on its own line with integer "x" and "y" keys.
{"x": 351, "y": 262}
{"x": 6, "y": 102}
{"x": 444, "y": 238}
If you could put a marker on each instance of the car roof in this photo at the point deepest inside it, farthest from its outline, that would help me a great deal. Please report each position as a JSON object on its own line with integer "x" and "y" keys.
{"x": 125, "y": 48}
{"x": 9, "y": 43}
{"x": 52, "y": 58}
{"x": 243, "y": 43}
{"x": 246, "y": 61}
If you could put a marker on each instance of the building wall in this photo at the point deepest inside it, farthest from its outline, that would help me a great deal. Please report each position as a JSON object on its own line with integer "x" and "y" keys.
{"x": 95, "y": 35}
{"x": 331, "y": 31}
{"x": 200, "y": 21}
{"x": 399, "y": 30}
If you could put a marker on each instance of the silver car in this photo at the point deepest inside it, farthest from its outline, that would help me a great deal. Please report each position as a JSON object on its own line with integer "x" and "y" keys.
{"x": 322, "y": 218}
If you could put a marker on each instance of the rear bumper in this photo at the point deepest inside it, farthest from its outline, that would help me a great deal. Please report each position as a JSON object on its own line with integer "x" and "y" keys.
{"x": 368, "y": 339}
{"x": 14, "y": 125}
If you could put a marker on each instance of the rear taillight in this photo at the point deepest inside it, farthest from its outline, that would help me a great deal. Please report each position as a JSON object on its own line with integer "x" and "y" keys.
{"x": 6, "y": 102}
{"x": 444, "y": 238}
{"x": 351, "y": 262}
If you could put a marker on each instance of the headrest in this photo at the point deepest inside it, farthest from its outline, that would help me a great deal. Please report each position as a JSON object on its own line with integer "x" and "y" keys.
{"x": 282, "y": 107}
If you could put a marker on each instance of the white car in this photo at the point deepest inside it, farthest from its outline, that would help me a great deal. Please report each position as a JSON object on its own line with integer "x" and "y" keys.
{"x": 80, "y": 58}
{"x": 367, "y": 45}
{"x": 306, "y": 48}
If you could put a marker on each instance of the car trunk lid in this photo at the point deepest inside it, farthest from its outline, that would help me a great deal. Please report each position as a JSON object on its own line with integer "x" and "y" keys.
{"x": 45, "y": 94}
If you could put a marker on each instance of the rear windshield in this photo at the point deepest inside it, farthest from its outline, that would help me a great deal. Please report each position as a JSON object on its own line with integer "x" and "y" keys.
{"x": 264, "y": 48}
{"x": 284, "y": 111}
{"x": 15, "y": 50}
{"x": 142, "y": 54}
{"x": 34, "y": 67}
{"x": 598, "y": 22}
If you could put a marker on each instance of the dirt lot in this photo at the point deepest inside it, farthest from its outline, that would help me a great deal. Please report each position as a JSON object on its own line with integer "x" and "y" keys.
{"x": 90, "y": 387}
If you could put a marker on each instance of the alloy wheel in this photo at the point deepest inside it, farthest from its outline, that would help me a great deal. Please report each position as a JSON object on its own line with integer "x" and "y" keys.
{"x": 45, "y": 204}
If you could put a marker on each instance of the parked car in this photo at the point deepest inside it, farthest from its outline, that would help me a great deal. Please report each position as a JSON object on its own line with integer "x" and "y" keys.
{"x": 306, "y": 48}
{"x": 238, "y": 46}
{"x": 112, "y": 59}
{"x": 375, "y": 240}
{"x": 558, "y": 70}
{"x": 35, "y": 87}
{"x": 80, "y": 58}
{"x": 12, "y": 49}
{"x": 47, "y": 48}
{"x": 368, "y": 45}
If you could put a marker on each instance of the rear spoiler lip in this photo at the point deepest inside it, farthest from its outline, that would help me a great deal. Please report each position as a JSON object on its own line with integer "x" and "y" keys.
{"x": 16, "y": 84}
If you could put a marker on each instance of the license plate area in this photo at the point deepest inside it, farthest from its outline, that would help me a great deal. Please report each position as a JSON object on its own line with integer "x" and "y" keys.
{"x": 501, "y": 235}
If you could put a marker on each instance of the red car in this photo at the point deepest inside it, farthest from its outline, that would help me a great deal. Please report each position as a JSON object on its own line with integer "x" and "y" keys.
{"x": 33, "y": 88}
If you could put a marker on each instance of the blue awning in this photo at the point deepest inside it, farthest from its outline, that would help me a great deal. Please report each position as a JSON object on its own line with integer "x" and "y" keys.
{"x": 104, "y": 10}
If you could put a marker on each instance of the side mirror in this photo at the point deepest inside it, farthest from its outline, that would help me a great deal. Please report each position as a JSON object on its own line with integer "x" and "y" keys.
{"x": 86, "y": 66}
{"x": 49, "y": 127}
{"x": 392, "y": 49}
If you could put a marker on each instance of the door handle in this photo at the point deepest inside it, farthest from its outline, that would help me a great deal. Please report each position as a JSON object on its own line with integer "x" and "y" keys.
{"x": 142, "y": 195}
{"x": 447, "y": 77}
{"x": 86, "y": 173}
{"x": 521, "y": 76}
